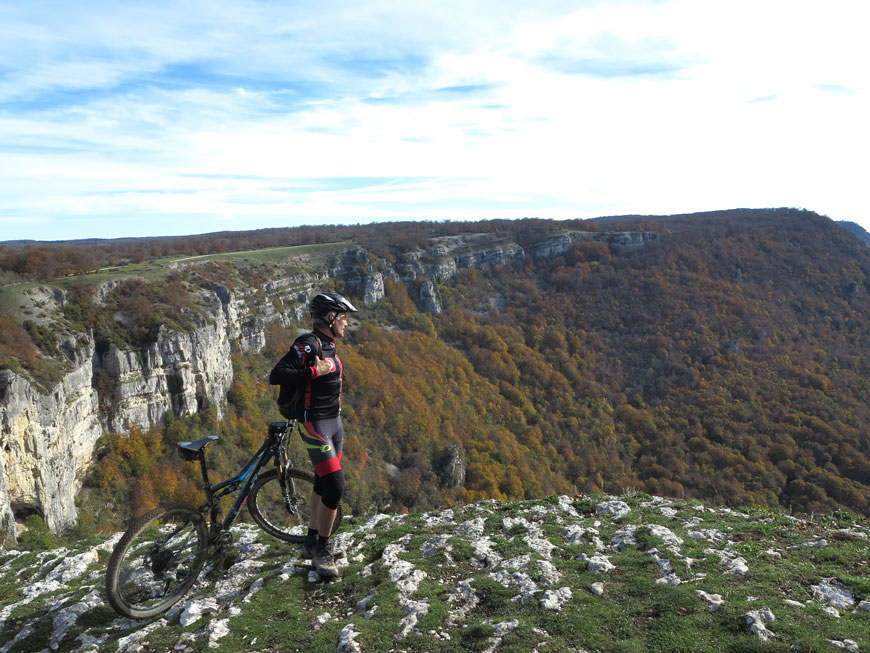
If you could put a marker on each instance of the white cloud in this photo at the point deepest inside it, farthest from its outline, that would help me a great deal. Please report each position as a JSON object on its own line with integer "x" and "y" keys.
{"x": 197, "y": 109}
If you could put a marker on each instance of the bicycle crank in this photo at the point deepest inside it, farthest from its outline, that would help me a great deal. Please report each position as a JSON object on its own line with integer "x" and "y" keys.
{"x": 224, "y": 541}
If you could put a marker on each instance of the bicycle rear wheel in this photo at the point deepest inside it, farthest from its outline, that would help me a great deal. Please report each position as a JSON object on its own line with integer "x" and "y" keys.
{"x": 285, "y": 519}
{"x": 156, "y": 561}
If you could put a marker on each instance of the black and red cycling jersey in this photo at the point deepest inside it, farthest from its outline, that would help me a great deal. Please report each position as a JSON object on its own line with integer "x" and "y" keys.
{"x": 321, "y": 397}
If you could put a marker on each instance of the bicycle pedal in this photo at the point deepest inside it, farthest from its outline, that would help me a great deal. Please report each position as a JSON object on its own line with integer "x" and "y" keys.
{"x": 225, "y": 540}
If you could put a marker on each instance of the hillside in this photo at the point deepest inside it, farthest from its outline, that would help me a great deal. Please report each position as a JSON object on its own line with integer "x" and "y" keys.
{"x": 856, "y": 229}
{"x": 721, "y": 356}
{"x": 729, "y": 360}
{"x": 633, "y": 573}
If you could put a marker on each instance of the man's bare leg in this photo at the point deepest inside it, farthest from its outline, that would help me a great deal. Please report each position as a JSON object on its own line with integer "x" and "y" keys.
{"x": 322, "y": 518}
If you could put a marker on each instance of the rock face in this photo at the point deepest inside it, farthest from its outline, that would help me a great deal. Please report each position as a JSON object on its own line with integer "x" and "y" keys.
{"x": 48, "y": 442}
{"x": 451, "y": 467}
{"x": 182, "y": 372}
{"x": 49, "y": 438}
{"x": 373, "y": 288}
{"x": 430, "y": 298}
{"x": 447, "y": 255}
{"x": 558, "y": 243}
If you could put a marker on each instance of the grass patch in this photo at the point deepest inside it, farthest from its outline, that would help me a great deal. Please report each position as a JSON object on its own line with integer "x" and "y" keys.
{"x": 37, "y": 640}
{"x": 270, "y": 254}
{"x": 12, "y": 297}
{"x": 159, "y": 268}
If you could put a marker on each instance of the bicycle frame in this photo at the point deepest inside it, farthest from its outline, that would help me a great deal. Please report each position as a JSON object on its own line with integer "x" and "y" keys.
{"x": 272, "y": 447}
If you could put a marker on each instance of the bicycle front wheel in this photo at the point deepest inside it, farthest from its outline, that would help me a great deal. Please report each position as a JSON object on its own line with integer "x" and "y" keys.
{"x": 285, "y": 512}
{"x": 156, "y": 561}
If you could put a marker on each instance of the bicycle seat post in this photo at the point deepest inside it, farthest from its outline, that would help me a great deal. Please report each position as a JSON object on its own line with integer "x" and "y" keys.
{"x": 195, "y": 450}
{"x": 213, "y": 506}
{"x": 204, "y": 470}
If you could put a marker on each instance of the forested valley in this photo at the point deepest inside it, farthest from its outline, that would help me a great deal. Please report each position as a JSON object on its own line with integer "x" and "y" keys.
{"x": 728, "y": 360}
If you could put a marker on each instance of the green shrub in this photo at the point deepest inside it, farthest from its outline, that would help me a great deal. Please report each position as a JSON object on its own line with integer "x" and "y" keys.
{"x": 37, "y": 537}
{"x": 86, "y": 527}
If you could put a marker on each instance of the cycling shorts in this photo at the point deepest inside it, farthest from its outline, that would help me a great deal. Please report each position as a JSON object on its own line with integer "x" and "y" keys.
{"x": 323, "y": 440}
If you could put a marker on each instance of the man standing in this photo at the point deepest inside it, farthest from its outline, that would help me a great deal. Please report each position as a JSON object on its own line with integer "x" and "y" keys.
{"x": 310, "y": 376}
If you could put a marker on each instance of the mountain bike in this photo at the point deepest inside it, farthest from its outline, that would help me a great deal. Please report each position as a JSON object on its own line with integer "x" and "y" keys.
{"x": 163, "y": 551}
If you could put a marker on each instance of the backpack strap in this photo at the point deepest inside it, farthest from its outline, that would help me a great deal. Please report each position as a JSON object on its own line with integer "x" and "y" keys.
{"x": 288, "y": 408}
{"x": 306, "y": 390}
{"x": 306, "y": 339}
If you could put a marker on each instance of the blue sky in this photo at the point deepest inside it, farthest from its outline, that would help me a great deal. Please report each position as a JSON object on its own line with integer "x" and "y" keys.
{"x": 158, "y": 118}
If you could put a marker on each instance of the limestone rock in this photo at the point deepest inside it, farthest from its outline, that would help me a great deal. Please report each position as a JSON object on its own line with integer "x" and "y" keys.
{"x": 549, "y": 574}
{"x": 713, "y": 601}
{"x": 451, "y": 467}
{"x": 835, "y": 595}
{"x": 373, "y": 288}
{"x": 472, "y": 528}
{"x": 710, "y": 535}
{"x": 463, "y": 594}
{"x": 346, "y": 643}
{"x": 132, "y": 641}
{"x": 430, "y": 298}
{"x": 181, "y": 371}
{"x": 436, "y": 544}
{"x": 217, "y": 629}
{"x": 757, "y": 621}
{"x": 575, "y": 533}
{"x": 598, "y": 563}
{"x": 553, "y": 600}
{"x": 196, "y": 608}
{"x": 49, "y": 441}
{"x": 67, "y": 617}
{"x": 615, "y": 509}
{"x": 558, "y": 243}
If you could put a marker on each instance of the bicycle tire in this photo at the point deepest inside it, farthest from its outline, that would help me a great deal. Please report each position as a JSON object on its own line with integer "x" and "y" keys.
{"x": 270, "y": 512}
{"x": 156, "y": 561}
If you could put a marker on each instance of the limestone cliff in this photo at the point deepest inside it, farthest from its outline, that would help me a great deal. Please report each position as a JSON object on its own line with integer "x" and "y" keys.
{"x": 448, "y": 254}
{"x": 49, "y": 437}
{"x": 559, "y": 242}
{"x": 181, "y": 371}
{"x": 48, "y": 442}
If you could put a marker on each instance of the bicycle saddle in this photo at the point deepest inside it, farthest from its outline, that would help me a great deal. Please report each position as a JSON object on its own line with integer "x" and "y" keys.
{"x": 192, "y": 450}
{"x": 279, "y": 427}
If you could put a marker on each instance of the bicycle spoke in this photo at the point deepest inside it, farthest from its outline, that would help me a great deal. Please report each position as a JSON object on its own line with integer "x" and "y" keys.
{"x": 285, "y": 517}
{"x": 156, "y": 561}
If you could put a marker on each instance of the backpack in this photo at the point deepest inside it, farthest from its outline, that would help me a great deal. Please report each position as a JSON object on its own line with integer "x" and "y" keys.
{"x": 288, "y": 408}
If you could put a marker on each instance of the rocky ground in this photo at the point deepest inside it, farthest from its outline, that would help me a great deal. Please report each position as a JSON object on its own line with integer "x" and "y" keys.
{"x": 633, "y": 573}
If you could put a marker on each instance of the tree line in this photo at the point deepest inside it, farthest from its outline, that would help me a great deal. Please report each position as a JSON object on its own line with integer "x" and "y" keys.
{"x": 49, "y": 260}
